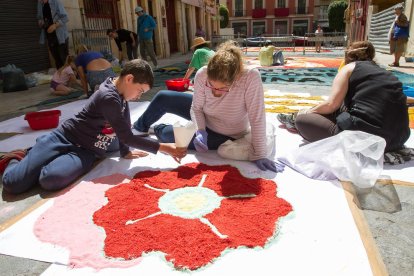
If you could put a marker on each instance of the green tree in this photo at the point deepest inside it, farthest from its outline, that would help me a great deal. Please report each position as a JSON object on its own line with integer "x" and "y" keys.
{"x": 224, "y": 16}
{"x": 336, "y": 15}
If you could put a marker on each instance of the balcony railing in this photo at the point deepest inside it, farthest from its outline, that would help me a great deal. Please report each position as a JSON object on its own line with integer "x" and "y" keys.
{"x": 281, "y": 12}
{"x": 302, "y": 10}
{"x": 258, "y": 13}
{"x": 239, "y": 13}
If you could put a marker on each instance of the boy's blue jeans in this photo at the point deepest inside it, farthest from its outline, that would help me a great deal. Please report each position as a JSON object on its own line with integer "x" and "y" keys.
{"x": 53, "y": 162}
{"x": 177, "y": 103}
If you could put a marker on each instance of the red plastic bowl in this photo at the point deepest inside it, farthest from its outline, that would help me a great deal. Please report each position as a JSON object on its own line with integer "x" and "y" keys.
{"x": 178, "y": 84}
{"x": 43, "y": 119}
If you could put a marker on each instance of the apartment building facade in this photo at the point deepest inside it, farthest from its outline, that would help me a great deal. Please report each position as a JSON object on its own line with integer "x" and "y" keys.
{"x": 271, "y": 17}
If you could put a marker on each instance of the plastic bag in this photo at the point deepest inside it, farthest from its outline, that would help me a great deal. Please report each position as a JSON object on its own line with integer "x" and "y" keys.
{"x": 241, "y": 149}
{"x": 183, "y": 133}
{"x": 13, "y": 79}
{"x": 31, "y": 80}
{"x": 354, "y": 156}
{"x": 42, "y": 78}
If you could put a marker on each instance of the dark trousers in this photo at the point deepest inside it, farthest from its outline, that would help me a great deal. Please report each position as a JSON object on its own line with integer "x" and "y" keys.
{"x": 313, "y": 127}
{"x": 59, "y": 51}
{"x": 132, "y": 51}
{"x": 177, "y": 103}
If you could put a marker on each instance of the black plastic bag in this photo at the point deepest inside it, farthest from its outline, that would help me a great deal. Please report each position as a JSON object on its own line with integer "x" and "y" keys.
{"x": 13, "y": 79}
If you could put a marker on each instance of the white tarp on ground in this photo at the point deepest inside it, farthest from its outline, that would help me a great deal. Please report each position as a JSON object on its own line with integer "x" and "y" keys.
{"x": 319, "y": 237}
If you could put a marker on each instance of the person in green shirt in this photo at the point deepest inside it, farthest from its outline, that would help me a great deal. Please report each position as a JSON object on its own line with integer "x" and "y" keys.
{"x": 202, "y": 53}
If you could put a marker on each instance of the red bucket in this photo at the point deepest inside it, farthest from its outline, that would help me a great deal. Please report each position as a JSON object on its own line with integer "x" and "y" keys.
{"x": 178, "y": 84}
{"x": 43, "y": 119}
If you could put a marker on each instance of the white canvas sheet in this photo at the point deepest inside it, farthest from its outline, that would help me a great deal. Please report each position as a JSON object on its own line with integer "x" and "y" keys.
{"x": 318, "y": 238}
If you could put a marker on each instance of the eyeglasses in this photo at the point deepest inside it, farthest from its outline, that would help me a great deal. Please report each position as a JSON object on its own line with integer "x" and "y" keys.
{"x": 208, "y": 84}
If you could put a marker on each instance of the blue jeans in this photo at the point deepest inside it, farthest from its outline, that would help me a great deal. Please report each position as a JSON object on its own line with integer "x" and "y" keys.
{"x": 97, "y": 77}
{"x": 177, "y": 103}
{"x": 53, "y": 163}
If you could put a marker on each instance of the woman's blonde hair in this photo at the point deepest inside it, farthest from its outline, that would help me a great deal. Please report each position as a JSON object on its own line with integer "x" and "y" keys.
{"x": 226, "y": 64}
{"x": 69, "y": 60}
{"x": 82, "y": 48}
{"x": 359, "y": 51}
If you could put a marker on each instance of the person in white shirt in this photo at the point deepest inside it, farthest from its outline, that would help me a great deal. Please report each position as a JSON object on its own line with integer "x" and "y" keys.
{"x": 318, "y": 36}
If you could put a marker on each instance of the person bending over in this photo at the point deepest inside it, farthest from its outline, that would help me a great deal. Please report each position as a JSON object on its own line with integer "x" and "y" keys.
{"x": 364, "y": 97}
{"x": 202, "y": 53}
{"x": 93, "y": 69}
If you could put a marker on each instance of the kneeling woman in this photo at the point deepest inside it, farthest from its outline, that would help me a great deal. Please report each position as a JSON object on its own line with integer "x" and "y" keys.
{"x": 228, "y": 102}
{"x": 364, "y": 97}
{"x": 93, "y": 69}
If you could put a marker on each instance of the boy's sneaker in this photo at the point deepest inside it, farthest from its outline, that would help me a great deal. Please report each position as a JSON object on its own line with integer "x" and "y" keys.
{"x": 5, "y": 158}
{"x": 139, "y": 133}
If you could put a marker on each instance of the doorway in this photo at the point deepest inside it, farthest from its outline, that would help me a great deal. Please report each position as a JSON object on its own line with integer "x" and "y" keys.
{"x": 171, "y": 25}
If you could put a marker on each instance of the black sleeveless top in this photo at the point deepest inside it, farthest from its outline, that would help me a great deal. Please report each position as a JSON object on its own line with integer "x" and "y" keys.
{"x": 377, "y": 104}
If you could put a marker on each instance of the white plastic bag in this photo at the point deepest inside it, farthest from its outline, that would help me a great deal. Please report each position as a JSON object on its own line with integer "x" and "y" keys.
{"x": 241, "y": 149}
{"x": 354, "y": 156}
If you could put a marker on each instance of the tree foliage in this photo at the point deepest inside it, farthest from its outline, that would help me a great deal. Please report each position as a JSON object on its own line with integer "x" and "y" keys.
{"x": 224, "y": 16}
{"x": 336, "y": 12}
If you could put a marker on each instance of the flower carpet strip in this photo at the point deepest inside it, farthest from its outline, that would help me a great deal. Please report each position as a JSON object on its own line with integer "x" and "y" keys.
{"x": 297, "y": 62}
{"x": 192, "y": 214}
{"x": 289, "y": 103}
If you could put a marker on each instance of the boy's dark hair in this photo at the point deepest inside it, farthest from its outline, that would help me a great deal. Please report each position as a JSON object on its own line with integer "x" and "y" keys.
{"x": 108, "y": 31}
{"x": 141, "y": 71}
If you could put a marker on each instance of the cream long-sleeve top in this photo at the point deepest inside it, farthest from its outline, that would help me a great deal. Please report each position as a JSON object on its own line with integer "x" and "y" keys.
{"x": 236, "y": 112}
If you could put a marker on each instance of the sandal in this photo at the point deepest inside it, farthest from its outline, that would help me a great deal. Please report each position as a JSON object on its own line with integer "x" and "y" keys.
{"x": 394, "y": 64}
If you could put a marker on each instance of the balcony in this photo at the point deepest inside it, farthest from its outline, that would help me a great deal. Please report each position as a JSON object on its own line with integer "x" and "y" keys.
{"x": 302, "y": 10}
{"x": 258, "y": 13}
{"x": 281, "y": 12}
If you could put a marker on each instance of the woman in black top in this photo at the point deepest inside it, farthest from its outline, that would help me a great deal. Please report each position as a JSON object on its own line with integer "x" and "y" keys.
{"x": 364, "y": 97}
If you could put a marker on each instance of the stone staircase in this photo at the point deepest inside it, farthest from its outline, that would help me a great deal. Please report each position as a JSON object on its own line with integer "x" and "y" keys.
{"x": 380, "y": 25}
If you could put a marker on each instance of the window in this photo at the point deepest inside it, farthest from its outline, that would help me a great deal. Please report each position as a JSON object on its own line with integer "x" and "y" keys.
{"x": 281, "y": 27}
{"x": 93, "y": 8}
{"x": 238, "y": 8}
{"x": 259, "y": 28}
{"x": 323, "y": 12}
{"x": 258, "y": 4}
{"x": 301, "y": 9}
{"x": 300, "y": 27}
{"x": 240, "y": 28}
{"x": 281, "y": 3}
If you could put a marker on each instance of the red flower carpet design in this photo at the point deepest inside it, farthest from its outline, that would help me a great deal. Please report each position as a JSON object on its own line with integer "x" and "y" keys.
{"x": 191, "y": 214}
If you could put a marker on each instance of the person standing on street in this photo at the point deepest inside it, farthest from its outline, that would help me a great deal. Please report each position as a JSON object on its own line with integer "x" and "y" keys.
{"x": 145, "y": 27}
{"x": 398, "y": 35}
{"x": 52, "y": 19}
{"x": 318, "y": 42}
